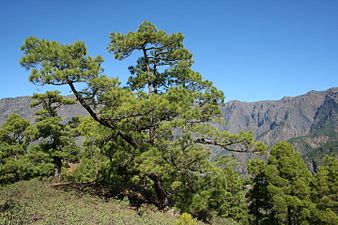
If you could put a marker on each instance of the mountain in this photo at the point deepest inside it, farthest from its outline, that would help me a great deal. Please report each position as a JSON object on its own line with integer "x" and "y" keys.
{"x": 323, "y": 136}
{"x": 283, "y": 119}
{"x": 21, "y": 106}
{"x": 309, "y": 121}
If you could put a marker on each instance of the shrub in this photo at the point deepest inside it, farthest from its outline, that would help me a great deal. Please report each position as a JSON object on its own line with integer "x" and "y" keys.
{"x": 186, "y": 219}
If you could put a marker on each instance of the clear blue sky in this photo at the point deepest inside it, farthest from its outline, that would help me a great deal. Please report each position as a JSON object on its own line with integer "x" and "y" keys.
{"x": 251, "y": 50}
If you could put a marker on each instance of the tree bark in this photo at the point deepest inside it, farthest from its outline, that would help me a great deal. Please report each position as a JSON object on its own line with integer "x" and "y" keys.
{"x": 57, "y": 168}
{"x": 148, "y": 71}
{"x": 257, "y": 215}
{"x": 289, "y": 222}
{"x": 159, "y": 190}
{"x": 78, "y": 96}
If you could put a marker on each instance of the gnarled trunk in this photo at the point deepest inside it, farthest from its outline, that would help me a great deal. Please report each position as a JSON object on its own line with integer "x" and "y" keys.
{"x": 160, "y": 191}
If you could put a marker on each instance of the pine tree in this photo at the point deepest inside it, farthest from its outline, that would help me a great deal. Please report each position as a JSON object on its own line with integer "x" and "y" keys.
{"x": 288, "y": 186}
{"x": 260, "y": 202}
{"x": 280, "y": 188}
{"x": 325, "y": 192}
{"x": 13, "y": 145}
{"x": 160, "y": 123}
{"x": 55, "y": 138}
{"x": 96, "y": 156}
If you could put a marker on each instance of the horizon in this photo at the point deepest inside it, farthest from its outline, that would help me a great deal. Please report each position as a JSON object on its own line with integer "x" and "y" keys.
{"x": 252, "y": 52}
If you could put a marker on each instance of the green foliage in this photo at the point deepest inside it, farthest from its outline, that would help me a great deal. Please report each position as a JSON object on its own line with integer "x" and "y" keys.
{"x": 14, "y": 163}
{"x": 60, "y": 63}
{"x": 55, "y": 139}
{"x": 96, "y": 151}
{"x": 186, "y": 219}
{"x": 281, "y": 191}
{"x": 159, "y": 51}
{"x": 85, "y": 172}
{"x": 324, "y": 192}
{"x": 218, "y": 192}
{"x": 288, "y": 185}
{"x": 13, "y": 130}
{"x": 49, "y": 102}
{"x": 259, "y": 197}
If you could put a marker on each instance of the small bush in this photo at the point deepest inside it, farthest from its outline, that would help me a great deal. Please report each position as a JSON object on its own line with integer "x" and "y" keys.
{"x": 186, "y": 219}
{"x": 85, "y": 172}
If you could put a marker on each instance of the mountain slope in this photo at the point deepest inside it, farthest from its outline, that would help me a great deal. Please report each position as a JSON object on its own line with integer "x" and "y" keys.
{"x": 21, "y": 106}
{"x": 323, "y": 136}
{"x": 272, "y": 121}
{"x": 309, "y": 121}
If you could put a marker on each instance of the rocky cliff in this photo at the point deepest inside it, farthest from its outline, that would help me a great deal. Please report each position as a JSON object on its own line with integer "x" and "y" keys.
{"x": 283, "y": 119}
{"x": 309, "y": 121}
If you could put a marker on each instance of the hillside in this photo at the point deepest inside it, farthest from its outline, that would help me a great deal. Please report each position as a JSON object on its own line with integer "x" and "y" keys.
{"x": 41, "y": 202}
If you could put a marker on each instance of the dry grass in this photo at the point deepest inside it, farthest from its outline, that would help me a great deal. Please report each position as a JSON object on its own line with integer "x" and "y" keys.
{"x": 36, "y": 202}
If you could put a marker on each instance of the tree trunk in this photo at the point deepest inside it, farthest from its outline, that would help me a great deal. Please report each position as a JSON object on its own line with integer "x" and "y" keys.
{"x": 148, "y": 70}
{"x": 257, "y": 215}
{"x": 57, "y": 168}
{"x": 96, "y": 169}
{"x": 160, "y": 191}
{"x": 289, "y": 222}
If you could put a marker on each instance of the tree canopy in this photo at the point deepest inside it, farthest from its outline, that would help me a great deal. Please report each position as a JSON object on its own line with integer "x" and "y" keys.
{"x": 161, "y": 121}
